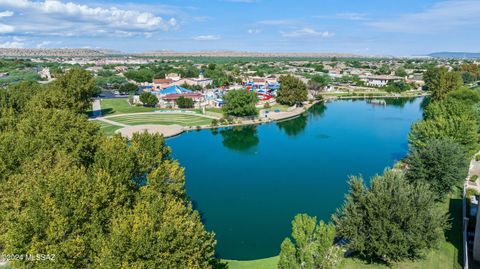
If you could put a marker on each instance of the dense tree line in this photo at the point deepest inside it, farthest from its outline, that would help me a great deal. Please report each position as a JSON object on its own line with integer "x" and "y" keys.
{"x": 397, "y": 216}
{"x": 90, "y": 200}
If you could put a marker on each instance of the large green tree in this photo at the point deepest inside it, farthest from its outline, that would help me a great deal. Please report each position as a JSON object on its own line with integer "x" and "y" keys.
{"x": 317, "y": 83}
{"x": 392, "y": 220}
{"x": 449, "y": 118}
{"x": 442, "y": 163}
{"x": 292, "y": 91}
{"x": 73, "y": 90}
{"x": 312, "y": 246}
{"x": 148, "y": 99}
{"x": 440, "y": 82}
{"x": 89, "y": 200}
{"x": 184, "y": 102}
{"x": 240, "y": 103}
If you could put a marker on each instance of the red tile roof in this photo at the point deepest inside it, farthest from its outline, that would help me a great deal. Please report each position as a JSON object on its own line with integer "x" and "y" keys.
{"x": 162, "y": 81}
{"x": 175, "y": 96}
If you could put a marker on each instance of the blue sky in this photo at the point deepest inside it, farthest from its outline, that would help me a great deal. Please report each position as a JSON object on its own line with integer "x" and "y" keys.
{"x": 371, "y": 27}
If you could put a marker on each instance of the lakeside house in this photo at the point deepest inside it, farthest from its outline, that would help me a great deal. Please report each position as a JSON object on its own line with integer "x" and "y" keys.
{"x": 379, "y": 80}
{"x": 170, "y": 100}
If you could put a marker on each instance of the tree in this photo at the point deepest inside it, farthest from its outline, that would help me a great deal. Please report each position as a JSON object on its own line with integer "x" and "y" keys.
{"x": 384, "y": 70}
{"x": 183, "y": 102}
{"x": 140, "y": 75}
{"x": 292, "y": 91}
{"x": 447, "y": 119}
{"x": 392, "y": 220}
{"x": 312, "y": 245}
{"x": 397, "y": 86}
{"x": 128, "y": 88}
{"x": 465, "y": 95}
{"x": 98, "y": 216}
{"x": 440, "y": 82}
{"x": 74, "y": 90}
{"x": 148, "y": 99}
{"x": 400, "y": 72}
{"x": 318, "y": 83}
{"x": 90, "y": 200}
{"x": 442, "y": 163}
{"x": 240, "y": 103}
{"x": 468, "y": 77}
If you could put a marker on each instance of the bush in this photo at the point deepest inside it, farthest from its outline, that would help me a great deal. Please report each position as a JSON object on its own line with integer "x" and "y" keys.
{"x": 477, "y": 158}
{"x": 470, "y": 192}
{"x": 267, "y": 106}
{"x": 442, "y": 163}
{"x": 214, "y": 122}
{"x": 148, "y": 99}
{"x": 392, "y": 220}
{"x": 183, "y": 102}
{"x": 474, "y": 178}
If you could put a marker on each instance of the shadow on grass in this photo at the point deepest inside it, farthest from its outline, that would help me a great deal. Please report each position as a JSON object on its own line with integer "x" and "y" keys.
{"x": 101, "y": 112}
{"x": 454, "y": 234}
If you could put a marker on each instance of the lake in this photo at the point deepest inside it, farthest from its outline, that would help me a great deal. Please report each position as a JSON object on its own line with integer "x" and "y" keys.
{"x": 249, "y": 182}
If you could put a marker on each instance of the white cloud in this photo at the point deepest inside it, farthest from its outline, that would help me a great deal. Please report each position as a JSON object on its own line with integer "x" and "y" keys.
{"x": 4, "y": 28}
{"x": 15, "y": 42}
{"x": 254, "y": 31}
{"x": 43, "y": 44}
{"x": 353, "y": 16}
{"x": 306, "y": 32}
{"x": 6, "y": 13}
{"x": 206, "y": 37}
{"x": 52, "y": 17}
{"x": 277, "y": 22}
{"x": 442, "y": 16}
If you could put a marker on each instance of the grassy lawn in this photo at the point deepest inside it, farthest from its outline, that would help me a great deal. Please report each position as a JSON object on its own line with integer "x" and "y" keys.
{"x": 121, "y": 106}
{"x": 108, "y": 129}
{"x": 268, "y": 263}
{"x": 279, "y": 107}
{"x": 214, "y": 109}
{"x": 162, "y": 119}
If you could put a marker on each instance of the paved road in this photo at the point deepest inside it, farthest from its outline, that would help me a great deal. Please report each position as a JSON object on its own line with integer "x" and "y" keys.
{"x": 112, "y": 122}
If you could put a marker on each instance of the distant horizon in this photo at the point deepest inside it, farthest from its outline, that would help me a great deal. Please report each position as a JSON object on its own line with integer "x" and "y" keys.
{"x": 238, "y": 52}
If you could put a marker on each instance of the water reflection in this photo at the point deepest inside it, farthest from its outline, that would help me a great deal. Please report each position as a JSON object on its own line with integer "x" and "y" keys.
{"x": 296, "y": 126}
{"x": 317, "y": 110}
{"x": 240, "y": 138}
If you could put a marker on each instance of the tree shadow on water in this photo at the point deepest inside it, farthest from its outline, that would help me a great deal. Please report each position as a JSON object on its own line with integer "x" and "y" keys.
{"x": 293, "y": 127}
{"x": 240, "y": 138}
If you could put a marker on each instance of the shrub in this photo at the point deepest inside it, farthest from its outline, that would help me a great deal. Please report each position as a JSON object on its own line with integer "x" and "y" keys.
{"x": 214, "y": 122}
{"x": 183, "y": 102}
{"x": 267, "y": 106}
{"x": 470, "y": 192}
{"x": 477, "y": 158}
{"x": 474, "y": 178}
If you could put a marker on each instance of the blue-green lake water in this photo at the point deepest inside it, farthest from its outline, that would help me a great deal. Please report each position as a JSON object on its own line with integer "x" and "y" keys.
{"x": 248, "y": 183}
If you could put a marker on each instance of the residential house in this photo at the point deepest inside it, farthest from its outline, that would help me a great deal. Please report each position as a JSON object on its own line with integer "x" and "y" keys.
{"x": 378, "y": 81}
{"x": 159, "y": 84}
